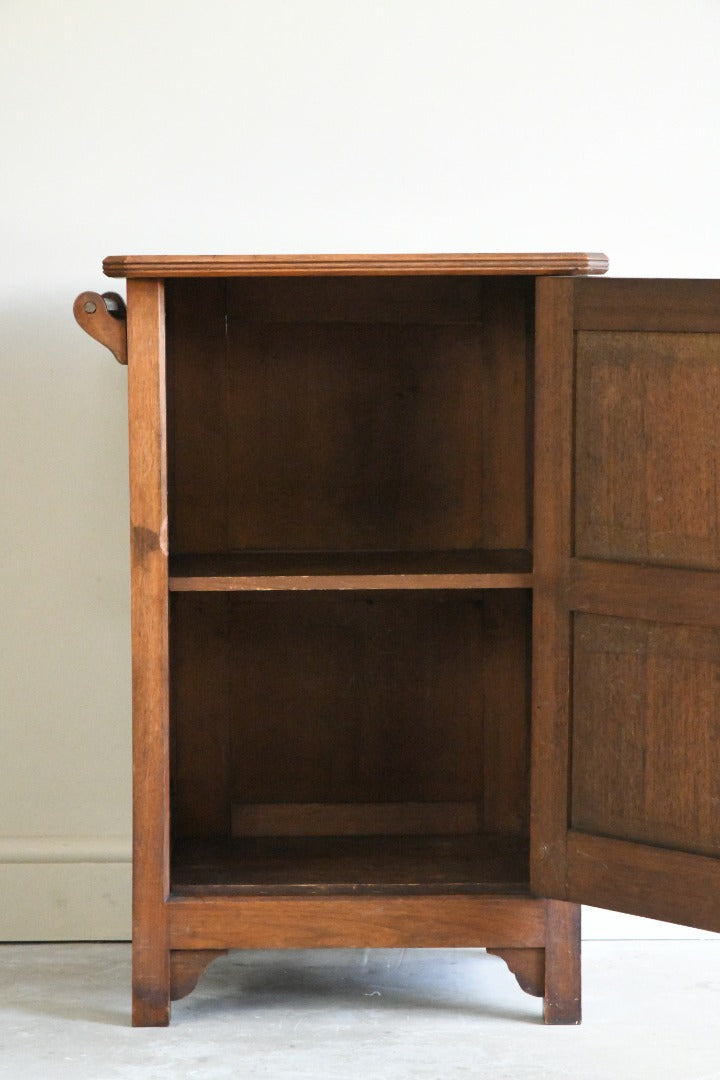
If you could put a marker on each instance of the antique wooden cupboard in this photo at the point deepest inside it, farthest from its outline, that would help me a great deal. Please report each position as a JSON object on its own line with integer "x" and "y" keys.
{"x": 425, "y": 605}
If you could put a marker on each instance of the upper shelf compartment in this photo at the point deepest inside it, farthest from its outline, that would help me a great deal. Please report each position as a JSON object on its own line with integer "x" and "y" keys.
{"x": 172, "y": 266}
{"x": 349, "y": 414}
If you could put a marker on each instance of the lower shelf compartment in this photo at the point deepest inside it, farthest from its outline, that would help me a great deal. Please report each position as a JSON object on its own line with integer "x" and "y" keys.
{"x": 330, "y": 865}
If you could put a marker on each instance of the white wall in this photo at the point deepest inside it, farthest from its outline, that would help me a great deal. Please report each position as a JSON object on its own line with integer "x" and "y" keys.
{"x": 156, "y": 126}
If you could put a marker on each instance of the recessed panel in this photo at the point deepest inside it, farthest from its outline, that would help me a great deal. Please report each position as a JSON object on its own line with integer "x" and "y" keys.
{"x": 646, "y": 732}
{"x": 647, "y": 481}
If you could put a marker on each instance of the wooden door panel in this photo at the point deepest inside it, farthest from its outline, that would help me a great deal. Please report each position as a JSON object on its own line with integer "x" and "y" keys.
{"x": 646, "y": 732}
{"x": 647, "y": 409}
{"x": 641, "y": 879}
{"x": 626, "y": 710}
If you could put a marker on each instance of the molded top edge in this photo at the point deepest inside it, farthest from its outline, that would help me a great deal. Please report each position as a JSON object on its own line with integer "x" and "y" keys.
{"x": 170, "y": 266}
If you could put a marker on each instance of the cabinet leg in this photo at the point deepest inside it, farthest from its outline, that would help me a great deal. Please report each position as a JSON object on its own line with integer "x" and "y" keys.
{"x": 151, "y": 988}
{"x": 562, "y": 963}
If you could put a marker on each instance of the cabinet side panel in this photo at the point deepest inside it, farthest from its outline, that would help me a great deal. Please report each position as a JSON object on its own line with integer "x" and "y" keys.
{"x": 149, "y": 606}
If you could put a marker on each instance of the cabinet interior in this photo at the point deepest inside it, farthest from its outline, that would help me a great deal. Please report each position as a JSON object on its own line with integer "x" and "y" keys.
{"x": 349, "y": 486}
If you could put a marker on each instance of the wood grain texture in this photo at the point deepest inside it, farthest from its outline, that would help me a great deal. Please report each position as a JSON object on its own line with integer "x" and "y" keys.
{"x": 528, "y": 967}
{"x": 647, "y": 481}
{"x": 198, "y": 451}
{"x": 503, "y": 661}
{"x": 331, "y": 434}
{"x": 506, "y": 412}
{"x": 644, "y": 880}
{"x": 381, "y": 922}
{"x": 653, "y": 304}
{"x": 293, "y": 571}
{"x": 642, "y": 720}
{"x": 103, "y": 317}
{"x": 646, "y": 732}
{"x": 200, "y": 735}
{"x": 381, "y": 447}
{"x": 659, "y": 594}
{"x": 551, "y": 625}
{"x": 187, "y": 966}
{"x": 355, "y": 819}
{"x": 149, "y": 612}
{"x": 563, "y": 986}
{"x": 356, "y": 697}
{"x": 357, "y": 865}
{"x": 395, "y": 301}
{"x": 168, "y": 266}
{"x": 352, "y": 502}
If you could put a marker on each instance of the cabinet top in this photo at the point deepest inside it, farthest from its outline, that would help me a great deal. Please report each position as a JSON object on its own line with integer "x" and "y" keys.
{"x": 167, "y": 266}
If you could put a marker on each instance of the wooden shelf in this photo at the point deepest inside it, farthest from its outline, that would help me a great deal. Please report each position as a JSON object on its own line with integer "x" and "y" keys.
{"x": 292, "y": 571}
{"x": 336, "y": 865}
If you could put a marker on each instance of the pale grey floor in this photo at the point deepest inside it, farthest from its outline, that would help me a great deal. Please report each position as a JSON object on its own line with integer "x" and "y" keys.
{"x": 652, "y": 1010}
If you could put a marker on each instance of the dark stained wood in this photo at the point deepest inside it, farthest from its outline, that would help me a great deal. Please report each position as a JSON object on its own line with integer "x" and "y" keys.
{"x": 290, "y": 571}
{"x": 370, "y": 435}
{"x": 344, "y": 476}
{"x": 563, "y": 993}
{"x": 528, "y": 967}
{"x": 506, "y": 413}
{"x": 355, "y": 819}
{"x": 646, "y": 732}
{"x": 644, "y": 880}
{"x": 656, "y": 305}
{"x": 370, "y": 675}
{"x": 389, "y": 686}
{"x": 396, "y": 300}
{"x": 198, "y": 451}
{"x": 372, "y": 472}
{"x": 504, "y": 668}
{"x": 380, "y": 922}
{"x": 434, "y": 457}
{"x": 200, "y": 740}
{"x": 637, "y": 808}
{"x": 103, "y": 318}
{"x": 647, "y": 487}
{"x": 149, "y": 611}
{"x": 660, "y": 594}
{"x": 348, "y": 499}
{"x": 186, "y": 967}
{"x": 204, "y": 266}
{"x": 551, "y": 624}
{"x": 333, "y": 865}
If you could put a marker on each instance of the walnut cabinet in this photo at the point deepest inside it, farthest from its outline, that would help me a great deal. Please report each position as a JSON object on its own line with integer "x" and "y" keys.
{"x": 425, "y": 605}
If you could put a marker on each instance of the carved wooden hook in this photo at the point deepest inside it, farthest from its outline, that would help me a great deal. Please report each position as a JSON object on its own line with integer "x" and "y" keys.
{"x": 103, "y": 318}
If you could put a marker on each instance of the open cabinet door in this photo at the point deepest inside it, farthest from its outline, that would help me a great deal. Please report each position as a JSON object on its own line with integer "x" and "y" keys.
{"x": 626, "y": 634}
